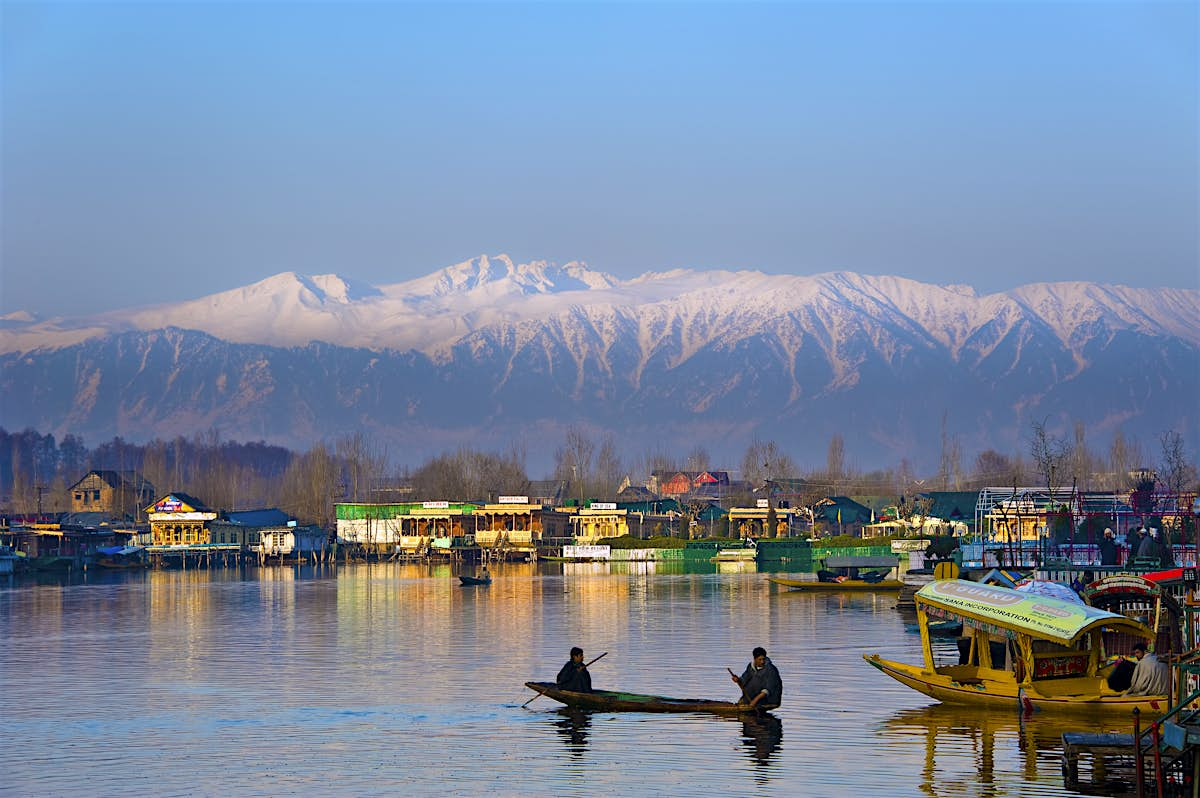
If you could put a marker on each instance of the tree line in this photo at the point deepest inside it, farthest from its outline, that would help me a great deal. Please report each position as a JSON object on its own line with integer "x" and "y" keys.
{"x": 37, "y": 471}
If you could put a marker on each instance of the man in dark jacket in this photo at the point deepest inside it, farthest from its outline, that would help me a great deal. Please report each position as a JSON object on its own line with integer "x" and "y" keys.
{"x": 761, "y": 686}
{"x": 1108, "y": 548}
{"x": 574, "y": 675}
{"x": 1147, "y": 548}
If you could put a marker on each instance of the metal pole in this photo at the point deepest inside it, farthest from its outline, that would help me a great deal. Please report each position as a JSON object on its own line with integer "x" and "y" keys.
{"x": 1158, "y": 774}
{"x": 1139, "y": 765}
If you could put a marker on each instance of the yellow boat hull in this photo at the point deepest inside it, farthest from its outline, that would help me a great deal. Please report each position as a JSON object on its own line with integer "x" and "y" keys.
{"x": 1000, "y": 690}
{"x": 811, "y": 585}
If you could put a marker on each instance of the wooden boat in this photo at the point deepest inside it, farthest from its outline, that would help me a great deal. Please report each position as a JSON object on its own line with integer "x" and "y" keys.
{"x": 609, "y": 701}
{"x": 849, "y": 573}
{"x": 475, "y": 580}
{"x": 1052, "y": 652}
{"x": 813, "y": 585}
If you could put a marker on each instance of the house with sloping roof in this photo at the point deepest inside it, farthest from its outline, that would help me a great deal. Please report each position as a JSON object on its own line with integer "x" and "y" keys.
{"x": 635, "y": 493}
{"x": 954, "y": 508}
{"x": 119, "y": 494}
{"x": 840, "y": 515}
{"x": 178, "y": 519}
{"x": 548, "y": 492}
{"x": 246, "y": 529}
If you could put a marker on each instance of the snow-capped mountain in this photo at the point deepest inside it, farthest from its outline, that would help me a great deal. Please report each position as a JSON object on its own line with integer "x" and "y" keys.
{"x": 488, "y": 349}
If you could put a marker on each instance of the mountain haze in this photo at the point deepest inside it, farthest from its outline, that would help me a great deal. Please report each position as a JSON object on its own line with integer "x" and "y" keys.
{"x": 488, "y": 351}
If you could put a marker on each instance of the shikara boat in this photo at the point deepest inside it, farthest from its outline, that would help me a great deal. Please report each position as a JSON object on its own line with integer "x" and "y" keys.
{"x": 608, "y": 701}
{"x": 121, "y": 557}
{"x": 475, "y": 580}
{"x": 812, "y": 585}
{"x": 848, "y": 573}
{"x": 1026, "y": 651}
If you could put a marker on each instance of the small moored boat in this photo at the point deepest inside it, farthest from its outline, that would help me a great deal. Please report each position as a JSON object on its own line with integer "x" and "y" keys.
{"x": 609, "y": 701}
{"x": 813, "y": 585}
{"x": 849, "y": 573}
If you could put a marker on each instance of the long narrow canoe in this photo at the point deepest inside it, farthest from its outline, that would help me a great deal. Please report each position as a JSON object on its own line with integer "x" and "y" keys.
{"x": 860, "y": 585}
{"x": 474, "y": 580}
{"x": 608, "y": 701}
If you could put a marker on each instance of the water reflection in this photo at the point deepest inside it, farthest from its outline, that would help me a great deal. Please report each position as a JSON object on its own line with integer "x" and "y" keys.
{"x": 1006, "y": 748}
{"x": 573, "y": 728}
{"x": 761, "y": 736}
{"x": 334, "y": 663}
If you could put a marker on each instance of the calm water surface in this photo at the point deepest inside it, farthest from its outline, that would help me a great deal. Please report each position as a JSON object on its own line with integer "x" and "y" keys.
{"x": 393, "y": 680}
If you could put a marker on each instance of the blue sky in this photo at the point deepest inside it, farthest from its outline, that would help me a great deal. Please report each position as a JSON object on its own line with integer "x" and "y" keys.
{"x": 162, "y": 151}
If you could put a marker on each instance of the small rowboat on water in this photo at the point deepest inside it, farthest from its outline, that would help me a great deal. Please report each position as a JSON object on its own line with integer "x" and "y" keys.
{"x": 475, "y": 580}
{"x": 608, "y": 701}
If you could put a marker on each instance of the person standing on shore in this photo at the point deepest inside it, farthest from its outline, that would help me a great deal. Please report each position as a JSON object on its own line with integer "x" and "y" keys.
{"x": 762, "y": 687}
{"x": 1108, "y": 548}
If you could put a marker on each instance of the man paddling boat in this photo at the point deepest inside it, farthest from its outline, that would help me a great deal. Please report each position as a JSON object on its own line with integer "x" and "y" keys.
{"x": 574, "y": 675}
{"x": 762, "y": 687}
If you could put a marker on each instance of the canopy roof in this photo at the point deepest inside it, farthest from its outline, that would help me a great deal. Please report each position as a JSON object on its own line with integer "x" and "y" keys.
{"x": 1043, "y": 617}
{"x": 862, "y": 561}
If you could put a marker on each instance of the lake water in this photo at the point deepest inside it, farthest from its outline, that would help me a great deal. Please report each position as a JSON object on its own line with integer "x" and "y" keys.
{"x": 390, "y": 679}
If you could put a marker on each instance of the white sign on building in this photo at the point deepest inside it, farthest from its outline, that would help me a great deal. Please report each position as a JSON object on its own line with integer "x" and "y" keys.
{"x": 586, "y": 552}
{"x": 436, "y": 505}
{"x": 604, "y": 506}
{"x": 514, "y": 500}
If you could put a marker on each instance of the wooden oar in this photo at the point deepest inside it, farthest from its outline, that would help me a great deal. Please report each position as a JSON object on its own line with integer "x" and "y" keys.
{"x": 542, "y": 693}
{"x": 745, "y": 696}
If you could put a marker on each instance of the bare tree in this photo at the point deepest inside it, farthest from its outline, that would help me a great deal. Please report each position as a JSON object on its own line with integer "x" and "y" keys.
{"x": 608, "y": 468}
{"x": 835, "y": 462}
{"x": 661, "y": 461}
{"x": 698, "y": 459}
{"x": 1081, "y": 458}
{"x": 1176, "y": 472}
{"x": 573, "y": 460}
{"x": 309, "y": 485}
{"x": 1051, "y": 455}
{"x": 1124, "y": 455}
{"x": 991, "y": 468}
{"x": 903, "y": 477}
{"x": 763, "y": 461}
{"x": 950, "y": 471}
{"x": 363, "y": 462}
{"x": 912, "y": 510}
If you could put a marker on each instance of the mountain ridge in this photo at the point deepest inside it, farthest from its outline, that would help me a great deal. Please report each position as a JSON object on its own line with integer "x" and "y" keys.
{"x": 489, "y": 347}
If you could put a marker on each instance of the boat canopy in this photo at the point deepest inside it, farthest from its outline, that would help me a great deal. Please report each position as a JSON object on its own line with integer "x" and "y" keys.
{"x": 1042, "y": 617}
{"x": 862, "y": 562}
{"x": 119, "y": 551}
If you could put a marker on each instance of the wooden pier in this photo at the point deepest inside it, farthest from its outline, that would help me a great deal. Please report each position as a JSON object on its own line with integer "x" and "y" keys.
{"x": 1101, "y": 752}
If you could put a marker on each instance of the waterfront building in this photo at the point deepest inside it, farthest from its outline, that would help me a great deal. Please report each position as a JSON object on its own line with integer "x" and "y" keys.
{"x": 295, "y": 541}
{"x": 751, "y": 522}
{"x": 407, "y": 527}
{"x": 118, "y": 494}
{"x": 248, "y": 529}
{"x": 178, "y": 519}
{"x": 653, "y": 517}
{"x": 512, "y": 523}
{"x": 584, "y": 525}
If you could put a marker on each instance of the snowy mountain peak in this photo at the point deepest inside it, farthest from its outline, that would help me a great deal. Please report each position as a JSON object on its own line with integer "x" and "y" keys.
{"x": 499, "y": 275}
